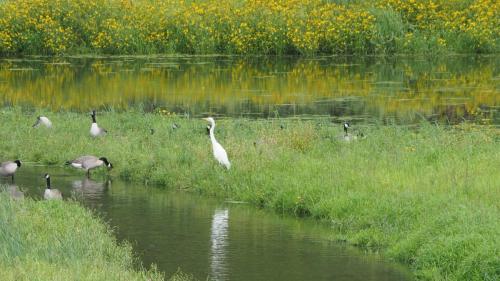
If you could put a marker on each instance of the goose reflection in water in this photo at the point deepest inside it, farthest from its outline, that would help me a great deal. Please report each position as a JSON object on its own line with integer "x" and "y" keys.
{"x": 14, "y": 192}
{"x": 89, "y": 189}
{"x": 219, "y": 239}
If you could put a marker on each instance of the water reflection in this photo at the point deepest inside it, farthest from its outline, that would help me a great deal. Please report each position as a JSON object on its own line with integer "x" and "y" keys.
{"x": 212, "y": 239}
{"x": 402, "y": 89}
{"x": 89, "y": 189}
{"x": 219, "y": 238}
{"x": 14, "y": 192}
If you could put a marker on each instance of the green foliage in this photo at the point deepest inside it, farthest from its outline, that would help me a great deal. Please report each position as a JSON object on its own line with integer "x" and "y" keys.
{"x": 425, "y": 196}
{"x": 274, "y": 27}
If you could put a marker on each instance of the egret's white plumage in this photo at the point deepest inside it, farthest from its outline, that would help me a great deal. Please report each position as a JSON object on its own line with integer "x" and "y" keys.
{"x": 219, "y": 152}
{"x": 95, "y": 130}
{"x": 43, "y": 121}
{"x": 51, "y": 193}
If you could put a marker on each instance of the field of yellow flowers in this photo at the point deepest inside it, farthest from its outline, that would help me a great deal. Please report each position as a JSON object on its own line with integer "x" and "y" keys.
{"x": 279, "y": 27}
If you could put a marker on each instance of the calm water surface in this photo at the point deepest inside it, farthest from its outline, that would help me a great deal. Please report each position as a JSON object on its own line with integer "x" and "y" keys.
{"x": 208, "y": 238}
{"x": 403, "y": 90}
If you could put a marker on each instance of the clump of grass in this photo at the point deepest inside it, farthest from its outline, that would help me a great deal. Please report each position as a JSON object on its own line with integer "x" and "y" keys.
{"x": 50, "y": 240}
{"x": 425, "y": 196}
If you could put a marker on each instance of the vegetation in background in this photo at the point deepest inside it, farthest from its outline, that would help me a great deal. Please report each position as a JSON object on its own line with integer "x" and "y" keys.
{"x": 425, "y": 196}
{"x": 249, "y": 27}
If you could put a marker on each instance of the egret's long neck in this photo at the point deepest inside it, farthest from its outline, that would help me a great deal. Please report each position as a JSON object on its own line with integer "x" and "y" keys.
{"x": 212, "y": 136}
{"x": 48, "y": 183}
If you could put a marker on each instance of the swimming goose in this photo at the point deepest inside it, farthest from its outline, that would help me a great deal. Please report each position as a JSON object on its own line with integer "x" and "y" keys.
{"x": 51, "y": 193}
{"x": 89, "y": 162}
{"x": 219, "y": 152}
{"x": 95, "y": 130}
{"x": 9, "y": 168}
{"x": 42, "y": 120}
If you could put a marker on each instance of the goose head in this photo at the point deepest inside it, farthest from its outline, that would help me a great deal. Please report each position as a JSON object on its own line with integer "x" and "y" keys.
{"x": 18, "y": 163}
{"x": 106, "y": 162}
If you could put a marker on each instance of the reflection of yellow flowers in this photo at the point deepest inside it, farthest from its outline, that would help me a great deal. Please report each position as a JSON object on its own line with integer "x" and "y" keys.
{"x": 231, "y": 26}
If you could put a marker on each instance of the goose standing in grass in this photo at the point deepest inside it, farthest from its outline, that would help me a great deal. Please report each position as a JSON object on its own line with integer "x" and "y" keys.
{"x": 89, "y": 162}
{"x": 43, "y": 121}
{"x": 51, "y": 193}
{"x": 95, "y": 130}
{"x": 9, "y": 168}
{"x": 347, "y": 137}
{"x": 219, "y": 152}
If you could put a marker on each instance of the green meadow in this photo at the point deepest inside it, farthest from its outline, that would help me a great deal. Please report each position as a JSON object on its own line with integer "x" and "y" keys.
{"x": 424, "y": 195}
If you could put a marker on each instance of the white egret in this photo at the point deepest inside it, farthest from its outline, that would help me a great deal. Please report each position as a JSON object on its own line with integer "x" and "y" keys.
{"x": 219, "y": 152}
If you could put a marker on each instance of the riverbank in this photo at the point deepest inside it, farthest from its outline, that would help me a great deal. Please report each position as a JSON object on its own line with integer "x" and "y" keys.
{"x": 278, "y": 27}
{"x": 55, "y": 240}
{"x": 426, "y": 196}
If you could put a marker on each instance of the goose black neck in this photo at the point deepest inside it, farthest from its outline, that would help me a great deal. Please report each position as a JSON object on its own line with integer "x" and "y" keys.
{"x": 105, "y": 161}
{"x": 93, "y": 118}
{"x": 345, "y": 129}
{"x": 48, "y": 183}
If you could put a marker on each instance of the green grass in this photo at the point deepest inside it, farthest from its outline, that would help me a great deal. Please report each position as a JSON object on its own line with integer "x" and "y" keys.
{"x": 56, "y": 240}
{"x": 426, "y": 196}
{"x": 42, "y": 240}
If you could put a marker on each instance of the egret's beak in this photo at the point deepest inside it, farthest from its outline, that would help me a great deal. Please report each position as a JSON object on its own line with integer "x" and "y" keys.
{"x": 206, "y": 119}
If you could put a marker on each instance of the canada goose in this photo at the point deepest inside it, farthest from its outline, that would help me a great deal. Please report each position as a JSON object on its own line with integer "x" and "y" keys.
{"x": 9, "y": 168}
{"x": 175, "y": 126}
{"x": 348, "y": 137}
{"x": 51, "y": 193}
{"x": 208, "y": 129}
{"x": 152, "y": 131}
{"x": 219, "y": 152}
{"x": 95, "y": 130}
{"x": 89, "y": 162}
{"x": 42, "y": 120}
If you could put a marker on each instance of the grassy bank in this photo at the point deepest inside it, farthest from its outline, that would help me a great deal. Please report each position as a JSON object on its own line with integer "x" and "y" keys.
{"x": 42, "y": 240}
{"x": 249, "y": 27}
{"x": 424, "y": 196}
